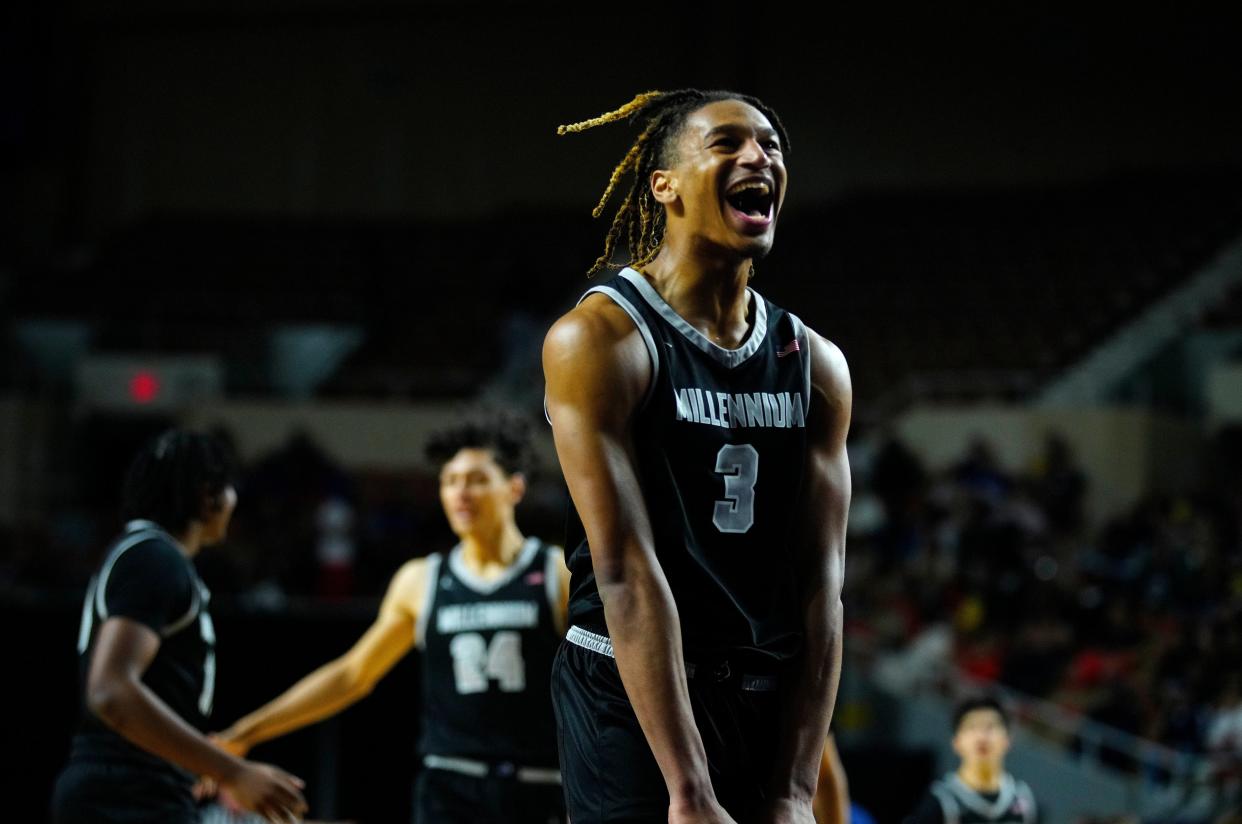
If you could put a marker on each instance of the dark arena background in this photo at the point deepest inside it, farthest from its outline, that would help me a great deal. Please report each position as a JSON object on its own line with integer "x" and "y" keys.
{"x": 322, "y": 228}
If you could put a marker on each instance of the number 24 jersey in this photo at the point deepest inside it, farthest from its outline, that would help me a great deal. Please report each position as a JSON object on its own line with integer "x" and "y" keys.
{"x": 487, "y": 658}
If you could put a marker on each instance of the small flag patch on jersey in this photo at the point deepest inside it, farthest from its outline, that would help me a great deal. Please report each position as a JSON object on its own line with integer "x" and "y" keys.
{"x": 789, "y": 348}
{"x": 534, "y": 578}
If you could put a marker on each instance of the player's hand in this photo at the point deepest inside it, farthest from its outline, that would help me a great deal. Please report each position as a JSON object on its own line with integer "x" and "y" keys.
{"x": 788, "y": 811}
{"x": 703, "y": 812}
{"x": 205, "y": 788}
{"x": 269, "y": 791}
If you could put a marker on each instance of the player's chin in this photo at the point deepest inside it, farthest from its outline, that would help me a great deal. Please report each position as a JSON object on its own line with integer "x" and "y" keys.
{"x": 757, "y": 247}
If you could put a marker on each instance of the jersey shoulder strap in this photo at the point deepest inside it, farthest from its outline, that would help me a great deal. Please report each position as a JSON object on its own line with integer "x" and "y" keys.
{"x": 1030, "y": 812}
{"x": 619, "y": 291}
{"x": 949, "y": 807}
{"x": 430, "y": 587}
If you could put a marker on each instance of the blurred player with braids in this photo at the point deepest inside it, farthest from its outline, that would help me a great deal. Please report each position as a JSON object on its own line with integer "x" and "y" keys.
{"x": 701, "y": 430}
{"x": 147, "y": 649}
{"x": 488, "y": 616}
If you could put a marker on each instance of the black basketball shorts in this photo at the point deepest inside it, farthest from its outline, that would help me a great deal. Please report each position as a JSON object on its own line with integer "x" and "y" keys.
{"x": 609, "y": 772}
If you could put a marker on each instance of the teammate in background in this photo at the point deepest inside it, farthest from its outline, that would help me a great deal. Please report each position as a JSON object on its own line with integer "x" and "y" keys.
{"x": 701, "y": 430}
{"x": 980, "y": 792}
{"x": 488, "y": 616}
{"x": 147, "y": 649}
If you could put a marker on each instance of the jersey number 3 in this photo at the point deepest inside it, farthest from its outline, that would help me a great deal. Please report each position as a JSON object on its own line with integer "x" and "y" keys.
{"x": 739, "y": 464}
{"x": 476, "y": 662}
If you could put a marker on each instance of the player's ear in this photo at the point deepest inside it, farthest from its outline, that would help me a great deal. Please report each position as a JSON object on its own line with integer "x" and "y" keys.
{"x": 517, "y": 487}
{"x": 210, "y": 504}
{"x": 664, "y": 186}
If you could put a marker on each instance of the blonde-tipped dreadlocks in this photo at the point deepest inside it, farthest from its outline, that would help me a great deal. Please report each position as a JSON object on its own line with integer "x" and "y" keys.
{"x": 639, "y": 218}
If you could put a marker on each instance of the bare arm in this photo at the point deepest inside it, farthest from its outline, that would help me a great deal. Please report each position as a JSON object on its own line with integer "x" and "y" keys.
{"x": 809, "y": 701}
{"x": 597, "y": 371}
{"x": 124, "y": 649}
{"x": 345, "y": 680}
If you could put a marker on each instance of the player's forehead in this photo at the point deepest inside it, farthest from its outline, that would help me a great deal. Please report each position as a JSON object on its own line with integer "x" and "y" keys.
{"x": 981, "y": 717}
{"x": 471, "y": 459}
{"x": 727, "y": 115}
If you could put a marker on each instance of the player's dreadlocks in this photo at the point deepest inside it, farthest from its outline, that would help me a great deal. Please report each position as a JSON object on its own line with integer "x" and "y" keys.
{"x": 167, "y": 480}
{"x": 638, "y": 218}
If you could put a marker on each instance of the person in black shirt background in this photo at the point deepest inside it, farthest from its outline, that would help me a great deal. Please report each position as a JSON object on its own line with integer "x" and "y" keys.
{"x": 147, "y": 647}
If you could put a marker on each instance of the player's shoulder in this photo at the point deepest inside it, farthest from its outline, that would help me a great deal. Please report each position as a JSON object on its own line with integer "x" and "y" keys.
{"x": 410, "y": 580}
{"x": 827, "y": 359}
{"x": 594, "y": 352}
{"x": 145, "y": 549}
{"x": 596, "y": 323}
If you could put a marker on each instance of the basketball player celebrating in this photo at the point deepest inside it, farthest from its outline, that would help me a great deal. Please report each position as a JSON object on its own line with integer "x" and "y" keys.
{"x": 488, "y": 617}
{"x": 702, "y": 433}
{"x": 147, "y": 650}
{"x": 980, "y": 792}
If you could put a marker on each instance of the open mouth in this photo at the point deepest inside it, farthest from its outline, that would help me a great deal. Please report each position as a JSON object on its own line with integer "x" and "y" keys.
{"x": 752, "y": 199}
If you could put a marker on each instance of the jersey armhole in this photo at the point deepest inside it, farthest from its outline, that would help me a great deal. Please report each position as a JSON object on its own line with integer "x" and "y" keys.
{"x": 429, "y": 600}
{"x": 948, "y": 805}
{"x": 196, "y": 600}
{"x": 620, "y": 299}
{"x": 101, "y": 581}
{"x": 803, "y": 337}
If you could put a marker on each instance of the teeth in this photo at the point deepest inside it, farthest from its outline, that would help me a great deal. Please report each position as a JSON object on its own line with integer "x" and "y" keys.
{"x": 755, "y": 185}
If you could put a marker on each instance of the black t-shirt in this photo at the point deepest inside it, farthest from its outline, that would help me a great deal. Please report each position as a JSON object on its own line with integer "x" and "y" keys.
{"x": 951, "y": 801}
{"x": 146, "y": 578}
{"x": 720, "y": 446}
{"x": 487, "y": 649}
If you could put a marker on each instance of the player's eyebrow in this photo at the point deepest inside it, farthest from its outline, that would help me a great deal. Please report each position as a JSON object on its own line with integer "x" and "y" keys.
{"x": 732, "y": 129}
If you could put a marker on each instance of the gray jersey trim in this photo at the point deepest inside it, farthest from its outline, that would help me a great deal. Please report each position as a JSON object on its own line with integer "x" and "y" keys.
{"x": 803, "y": 336}
{"x": 484, "y": 586}
{"x": 728, "y": 357}
{"x": 949, "y": 809}
{"x": 138, "y": 531}
{"x": 636, "y": 316}
{"x": 1023, "y": 791}
{"x": 971, "y": 800}
{"x": 200, "y": 596}
{"x": 429, "y": 600}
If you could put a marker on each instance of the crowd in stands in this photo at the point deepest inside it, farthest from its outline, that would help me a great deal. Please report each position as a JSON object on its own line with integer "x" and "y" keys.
{"x": 1135, "y": 623}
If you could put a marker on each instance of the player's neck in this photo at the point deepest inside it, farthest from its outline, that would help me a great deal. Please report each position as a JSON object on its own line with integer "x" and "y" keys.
{"x": 982, "y": 777}
{"x": 707, "y": 290}
{"x": 492, "y": 552}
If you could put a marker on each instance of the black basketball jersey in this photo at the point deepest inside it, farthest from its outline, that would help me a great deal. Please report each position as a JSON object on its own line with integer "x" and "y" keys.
{"x": 720, "y": 443}
{"x": 146, "y": 578}
{"x": 1014, "y": 803}
{"x": 487, "y": 659}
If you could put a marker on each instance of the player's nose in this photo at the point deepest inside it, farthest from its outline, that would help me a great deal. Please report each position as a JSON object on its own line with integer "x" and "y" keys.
{"x": 753, "y": 155}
